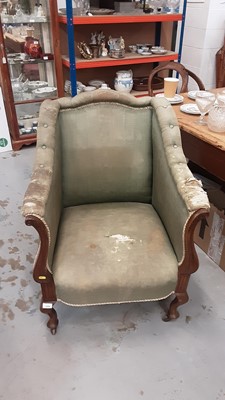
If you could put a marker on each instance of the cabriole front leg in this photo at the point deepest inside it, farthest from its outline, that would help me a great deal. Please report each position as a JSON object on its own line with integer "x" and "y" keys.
{"x": 181, "y": 297}
{"x": 188, "y": 266}
{"x": 47, "y": 308}
{"x": 41, "y": 273}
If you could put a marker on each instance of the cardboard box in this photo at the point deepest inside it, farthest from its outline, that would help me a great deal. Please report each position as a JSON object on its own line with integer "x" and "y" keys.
{"x": 127, "y": 6}
{"x": 210, "y": 232}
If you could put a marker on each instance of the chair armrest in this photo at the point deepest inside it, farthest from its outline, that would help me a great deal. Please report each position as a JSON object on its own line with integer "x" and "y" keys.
{"x": 43, "y": 198}
{"x": 177, "y": 195}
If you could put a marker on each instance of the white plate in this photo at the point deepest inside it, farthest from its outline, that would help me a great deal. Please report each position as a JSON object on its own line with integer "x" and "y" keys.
{"x": 192, "y": 94}
{"x": 45, "y": 91}
{"x": 177, "y": 99}
{"x": 32, "y": 85}
{"x": 158, "y": 52}
{"x": 190, "y": 108}
{"x": 97, "y": 83}
{"x": 145, "y": 53}
{"x": 89, "y": 88}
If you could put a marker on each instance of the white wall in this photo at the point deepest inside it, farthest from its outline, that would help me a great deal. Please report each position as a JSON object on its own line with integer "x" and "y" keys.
{"x": 203, "y": 37}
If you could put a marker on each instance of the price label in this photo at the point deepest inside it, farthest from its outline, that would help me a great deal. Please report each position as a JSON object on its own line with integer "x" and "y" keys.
{"x": 46, "y": 305}
{"x": 45, "y": 58}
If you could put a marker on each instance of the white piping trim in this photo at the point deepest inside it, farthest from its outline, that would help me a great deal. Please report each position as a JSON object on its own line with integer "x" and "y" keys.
{"x": 114, "y": 302}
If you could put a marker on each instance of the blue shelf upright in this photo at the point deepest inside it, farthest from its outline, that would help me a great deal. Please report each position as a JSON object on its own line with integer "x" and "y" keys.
{"x": 70, "y": 31}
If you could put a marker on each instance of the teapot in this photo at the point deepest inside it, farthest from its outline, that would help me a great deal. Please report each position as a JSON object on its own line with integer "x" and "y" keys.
{"x": 123, "y": 81}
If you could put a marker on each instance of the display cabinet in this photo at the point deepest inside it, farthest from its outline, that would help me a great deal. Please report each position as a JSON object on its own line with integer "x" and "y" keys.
{"x": 30, "y": 70}
{"x": 135, "y": 28}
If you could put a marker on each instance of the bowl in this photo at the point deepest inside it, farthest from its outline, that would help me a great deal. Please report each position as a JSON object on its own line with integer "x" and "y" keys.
{"x": 133, "y": 48}
{"x": 141, "y": 83}
{"x": 158, "y": 50}
{"x": 146, "y": 46}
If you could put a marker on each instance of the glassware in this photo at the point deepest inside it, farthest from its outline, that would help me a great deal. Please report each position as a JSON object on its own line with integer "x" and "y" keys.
{"x": 81, "y": 7}
{"x": 220, "y": 97}
{"x": 159, "y": 4}
{"x": 204, "y": 101}
{"x": 153, "y": 6}
{"x": 216, "y": 118}
{"x": 172, "y": 5}
{"x": 149, "y": 6}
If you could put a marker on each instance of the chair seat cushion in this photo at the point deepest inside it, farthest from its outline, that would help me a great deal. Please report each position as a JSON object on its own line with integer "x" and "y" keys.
{"x": 113, "y": 253}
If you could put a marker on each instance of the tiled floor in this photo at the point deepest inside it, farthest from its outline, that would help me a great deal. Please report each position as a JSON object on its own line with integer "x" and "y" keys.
{"x": 122, "y": 352}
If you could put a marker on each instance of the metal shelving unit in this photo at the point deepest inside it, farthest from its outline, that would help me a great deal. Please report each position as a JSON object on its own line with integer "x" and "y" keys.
{"x": 76, "y": 63}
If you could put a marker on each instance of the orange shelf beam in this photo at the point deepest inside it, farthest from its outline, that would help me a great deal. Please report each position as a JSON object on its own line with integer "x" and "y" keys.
{"x": 121, "y": 19}
{"x": 99, "y": 63}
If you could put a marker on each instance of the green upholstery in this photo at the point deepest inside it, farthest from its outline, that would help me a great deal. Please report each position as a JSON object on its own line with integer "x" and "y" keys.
{"x": 104, "y": 255}
{"x": 112, "y": 190}
{"x": 103, "y": 164}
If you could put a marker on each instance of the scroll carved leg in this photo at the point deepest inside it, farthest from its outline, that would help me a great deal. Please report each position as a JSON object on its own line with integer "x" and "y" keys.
{"x": 181, "y": 298}
{"x": 53, "y": 320}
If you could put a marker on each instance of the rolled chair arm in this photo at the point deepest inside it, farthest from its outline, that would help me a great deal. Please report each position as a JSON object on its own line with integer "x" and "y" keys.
{"x": 43, "y": 198}
{"x": 177, "y": 195}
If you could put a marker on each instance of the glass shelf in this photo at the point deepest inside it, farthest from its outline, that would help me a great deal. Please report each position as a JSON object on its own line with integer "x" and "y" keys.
{"x": 44, "y": 59}
{"x": 28, "y": 39}
{"x": 13, "y": 19}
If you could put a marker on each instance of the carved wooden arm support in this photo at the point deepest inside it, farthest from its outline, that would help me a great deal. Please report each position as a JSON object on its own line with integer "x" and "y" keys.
{"x": 41, "y": 273}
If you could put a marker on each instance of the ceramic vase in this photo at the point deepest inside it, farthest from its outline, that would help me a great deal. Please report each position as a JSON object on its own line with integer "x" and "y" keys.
{"x": 124, "y": 81}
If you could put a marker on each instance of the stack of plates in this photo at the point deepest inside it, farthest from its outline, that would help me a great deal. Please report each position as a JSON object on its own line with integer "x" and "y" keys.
{"x": 173, "y": 100}
{"x": 45, "y": 91}
{"x": 32, "y": 85}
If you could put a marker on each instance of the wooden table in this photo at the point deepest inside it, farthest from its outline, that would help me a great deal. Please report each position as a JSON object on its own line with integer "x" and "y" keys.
{"x": 201, "y": 146}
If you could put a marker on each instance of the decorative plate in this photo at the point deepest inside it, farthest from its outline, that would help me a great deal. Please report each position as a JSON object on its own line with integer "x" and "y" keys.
{"x": 101, "y": 11}
{"x": 190, "y": 108}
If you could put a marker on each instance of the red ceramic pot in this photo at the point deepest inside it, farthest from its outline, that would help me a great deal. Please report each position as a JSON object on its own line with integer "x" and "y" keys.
{"x": 32, "y": 47}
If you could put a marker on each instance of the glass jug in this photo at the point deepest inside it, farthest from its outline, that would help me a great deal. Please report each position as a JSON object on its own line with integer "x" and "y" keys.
{"x": 216, "y": 118}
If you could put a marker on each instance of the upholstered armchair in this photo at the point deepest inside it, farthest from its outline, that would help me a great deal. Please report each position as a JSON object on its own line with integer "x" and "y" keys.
{"x": 114, "y": 203}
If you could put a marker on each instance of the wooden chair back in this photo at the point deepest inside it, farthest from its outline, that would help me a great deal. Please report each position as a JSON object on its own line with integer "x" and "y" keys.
{"x": 182, "y": 71}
